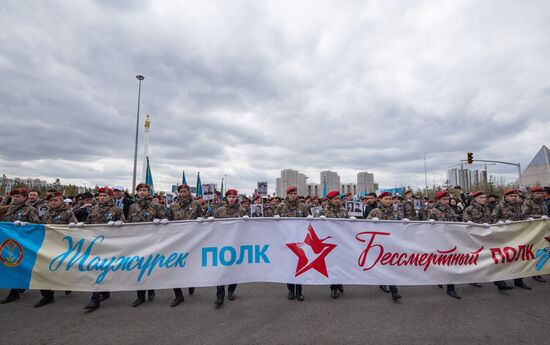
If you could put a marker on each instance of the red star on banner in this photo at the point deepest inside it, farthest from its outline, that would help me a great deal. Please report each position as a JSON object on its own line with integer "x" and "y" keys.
{"x": 318, "y": 247}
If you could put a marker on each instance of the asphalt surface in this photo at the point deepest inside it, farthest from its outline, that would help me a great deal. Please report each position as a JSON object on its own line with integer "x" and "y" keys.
{"x": 261, "y": 314}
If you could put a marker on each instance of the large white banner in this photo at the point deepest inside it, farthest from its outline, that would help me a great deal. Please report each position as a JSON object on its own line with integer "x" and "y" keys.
{"x": 283, "y": 250}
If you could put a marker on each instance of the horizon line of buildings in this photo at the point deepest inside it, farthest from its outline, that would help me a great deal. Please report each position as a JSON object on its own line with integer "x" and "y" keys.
{"x": 290, "y": 177}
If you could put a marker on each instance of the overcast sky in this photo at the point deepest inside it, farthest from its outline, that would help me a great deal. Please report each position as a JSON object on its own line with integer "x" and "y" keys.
{"x": 247, "y": 88}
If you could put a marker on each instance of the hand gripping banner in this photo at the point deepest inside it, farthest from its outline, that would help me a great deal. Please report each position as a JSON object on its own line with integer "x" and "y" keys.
{"x": 281, "y": 250}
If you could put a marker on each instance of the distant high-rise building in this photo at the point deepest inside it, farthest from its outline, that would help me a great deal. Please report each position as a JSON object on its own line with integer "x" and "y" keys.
{"x": 348, "y": 188}
{"x": 474, "y": 177}
{"x": 314, "y": 189}
{"x": 483, "y": 177}
{"x": 365, "y": 182}
{"x": 464, "y": 179}
{"x": 290, "y": 177}
{"x": 332, "y": 180}
{"x": 452, "y": 177}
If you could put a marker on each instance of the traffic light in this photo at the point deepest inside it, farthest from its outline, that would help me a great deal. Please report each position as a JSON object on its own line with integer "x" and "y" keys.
{"x": 469, "y": 157}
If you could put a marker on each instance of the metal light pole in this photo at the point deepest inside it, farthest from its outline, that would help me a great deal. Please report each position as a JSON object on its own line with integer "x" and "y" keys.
{"x": 140, "y": 78}
{"x": 425, "y": 176}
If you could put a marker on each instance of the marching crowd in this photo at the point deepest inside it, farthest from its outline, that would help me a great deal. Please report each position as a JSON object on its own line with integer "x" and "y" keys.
{"x": 115, "y": 206}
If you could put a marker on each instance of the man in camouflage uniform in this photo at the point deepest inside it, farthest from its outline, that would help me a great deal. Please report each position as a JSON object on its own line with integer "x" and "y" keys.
{"x": 105, "y": 212}
{"x": 58, "y": 213}
{"x": 384, "y": 211}
{"x": 292, "y": 207}
{"x": 271, "y": 207}
{"x": 144, "y": 210}
{"x": 19, "y": 211}
{"x": 335, "y": 210}
{"x": 408, "y": 206}
{"x": 479, "y": 213}
{"x": 183, "y": 209}
{"x": 35, "y": 201}
{"x": 231, "y": 210}
{"x": 534, "y": 208}
{"x": 442, "y": 212}
{"x": 509, "y": 209}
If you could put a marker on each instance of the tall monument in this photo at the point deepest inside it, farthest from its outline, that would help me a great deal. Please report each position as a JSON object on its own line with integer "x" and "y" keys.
{"x": 145, "y": 146}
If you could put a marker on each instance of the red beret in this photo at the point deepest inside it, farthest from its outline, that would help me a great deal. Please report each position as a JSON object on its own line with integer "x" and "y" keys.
{"x": 142, "y": 185}
{"x": 348, "y": 194}
{"x": 383, "y": 194}
{"x": 332, "y": 194}
{"x": 109, "y": 191}
{"x": 291, "y": 189}
{"x": 536, "y": 189}
{"x": 20, "y": 191}
{"x": 441, "y": 194}
{"x": 478, "y": 193}
{"x": 183, "y": 186}
{"x": 231, "y": 192}
{"x": 256, "y": 197}
{"x": 53, "y": 195}
{"x": 430, "y": 201}
{"x": 510, "y": 191}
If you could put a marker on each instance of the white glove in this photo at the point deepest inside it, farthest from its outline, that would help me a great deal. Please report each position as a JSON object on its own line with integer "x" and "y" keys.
{"x": 531, "y": 219}
{"x": 119, "y": 223}
{"x": 210, "y": 218}
{"x": 23, "y": 223}
{"x": 545, "y": 217}
{"x": 375, "y": 219}
{"x": 111, "y": 223}
{"x": 486, "y": 225}
{"x": 500, "y": 222}
{"x": 470, "y": 222}
{"x": 17, "y": 223}
{"x": 508, "y": 221}
{"x": 156, "y": 221}
{"x": 406, "y": 220}
{"x": 309, "y": 216}
{"x": 200, "y": 219}
{"x": 431, "y": 221}
{"x": 79, "y": 224}
{"x": 276, "y": 216}
{"x": 71, "y": 225}
{"x": 245, "y": 216}
{"x": 352, "y": 219}
{"x": 323, "y": 217}
{"x": 164, "y": 221}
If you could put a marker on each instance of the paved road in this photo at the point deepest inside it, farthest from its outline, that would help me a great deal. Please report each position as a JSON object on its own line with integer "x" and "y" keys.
{"x": 261, "y": 314}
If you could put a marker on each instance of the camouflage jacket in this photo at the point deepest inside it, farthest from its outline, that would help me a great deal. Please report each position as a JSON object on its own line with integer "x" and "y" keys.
{"x": 41, "y": 206}
{"x": 506, "y": 211}
{"x": 104, "y": 213}
{"x": 269, "y": 211}
{"x": 442, "y": 213}
{"x": 383, "y": 213}
{"x": 334, "y": 212}
{"x": 533, "y": 208}
{"x": 22, "y": 212}
{"x": 292, "y": 209}
{"x": 60, "y": 215}
{"x": 477, "y": 213}
{"x": 184, "y": 209}
{"x": 143, "y": 211}
{"x": 409, "y": 210}
{"x": 229, "y": 211}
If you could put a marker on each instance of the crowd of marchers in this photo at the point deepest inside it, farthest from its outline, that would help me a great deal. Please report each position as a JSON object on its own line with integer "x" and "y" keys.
{"x": 114, "y": 206}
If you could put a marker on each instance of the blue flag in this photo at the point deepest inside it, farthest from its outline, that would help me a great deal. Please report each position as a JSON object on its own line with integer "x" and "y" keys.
{"x": 325, "y": 187}
{"x": 199, "y": 185}
{"x": 149, "y": 178}
{"x": 183, "y": 179}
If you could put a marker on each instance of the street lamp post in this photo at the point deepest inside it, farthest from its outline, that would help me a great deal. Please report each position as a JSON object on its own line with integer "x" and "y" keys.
{"x": 140, "y": 78}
